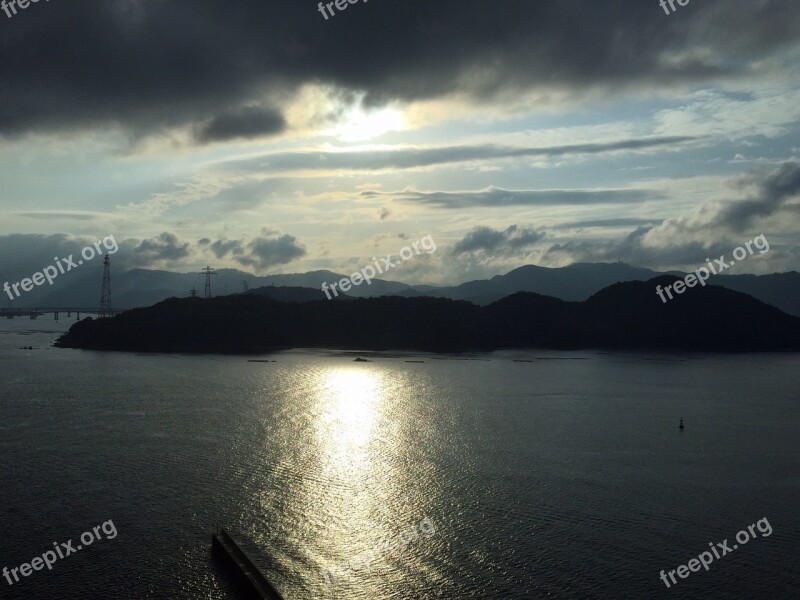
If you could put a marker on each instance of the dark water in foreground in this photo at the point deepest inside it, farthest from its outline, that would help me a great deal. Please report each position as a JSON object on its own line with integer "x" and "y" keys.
{"x": 544, "y": 479}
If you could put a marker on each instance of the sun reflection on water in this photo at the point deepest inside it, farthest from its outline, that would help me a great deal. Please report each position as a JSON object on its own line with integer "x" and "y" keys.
{"x": 351, "y": 480}
{"x": 351, "y": 401}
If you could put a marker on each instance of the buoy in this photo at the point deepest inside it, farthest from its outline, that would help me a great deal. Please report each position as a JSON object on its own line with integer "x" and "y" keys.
{"x": 681, "y": 425}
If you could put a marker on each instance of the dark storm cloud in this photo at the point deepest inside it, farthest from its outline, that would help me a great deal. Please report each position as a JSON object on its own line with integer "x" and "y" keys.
{"x": 632, "y": 250}
{"x": 146, "y": 65}
{"x": 222, "y": 248}
{"x": 247, "y": 122}
{"x": 23, "y": 254}
{"x": 269, "y": 252}
{"x": 412, "y": 158}
{"x": 773, "y": 191}
{"x": 496, "y": 197}
{"x": 714, "y": 220}
{"x": 263, "y": 252}
{"x": 713, "y": 230}
{"x": 163, "y": 247}
{"x": 508, "y": 241}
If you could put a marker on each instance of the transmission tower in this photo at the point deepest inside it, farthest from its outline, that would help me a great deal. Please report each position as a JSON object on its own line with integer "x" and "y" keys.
{"x": 208, "y": 272}
{"x": 105, "y": 293}
{"x": 193, "y": 292}
{"x": 244, "y": 285}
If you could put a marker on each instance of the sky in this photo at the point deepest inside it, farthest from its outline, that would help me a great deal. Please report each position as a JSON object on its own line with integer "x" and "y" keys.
{"x": 263, "y": 136}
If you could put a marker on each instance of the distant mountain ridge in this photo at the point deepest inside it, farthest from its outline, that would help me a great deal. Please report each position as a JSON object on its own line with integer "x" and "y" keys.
{"x": 577, "y": 282}
{"x": 572, "y": 283}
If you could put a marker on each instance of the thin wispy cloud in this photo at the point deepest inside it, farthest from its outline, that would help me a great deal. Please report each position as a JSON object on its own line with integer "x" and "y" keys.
{"x": 496, "y": 197}
{"x": 413, "y": 158}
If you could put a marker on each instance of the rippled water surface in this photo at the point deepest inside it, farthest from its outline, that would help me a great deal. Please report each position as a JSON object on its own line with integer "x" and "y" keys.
{"x": 508, "y": 475}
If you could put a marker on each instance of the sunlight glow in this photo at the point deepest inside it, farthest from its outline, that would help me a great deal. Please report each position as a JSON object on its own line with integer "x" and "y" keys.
{"x": 359, "y": 125}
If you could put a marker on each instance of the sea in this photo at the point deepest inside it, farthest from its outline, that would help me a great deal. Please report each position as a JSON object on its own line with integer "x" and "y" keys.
{"x": 505, "y": 475}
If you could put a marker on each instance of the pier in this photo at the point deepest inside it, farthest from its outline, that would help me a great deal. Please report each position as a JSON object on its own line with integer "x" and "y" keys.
{"x": 238, "y": 561}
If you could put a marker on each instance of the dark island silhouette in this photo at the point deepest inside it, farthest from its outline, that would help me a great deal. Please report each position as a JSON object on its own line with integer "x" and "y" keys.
{"x": 623, "y": 316}
{"x": 294, "y": 294}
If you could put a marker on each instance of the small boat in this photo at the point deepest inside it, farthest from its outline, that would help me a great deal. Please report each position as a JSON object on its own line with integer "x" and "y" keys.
{"x": 359, "y": 359}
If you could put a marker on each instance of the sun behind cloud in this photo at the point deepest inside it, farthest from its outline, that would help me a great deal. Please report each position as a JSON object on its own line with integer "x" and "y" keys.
{"x": 359, "y": 125}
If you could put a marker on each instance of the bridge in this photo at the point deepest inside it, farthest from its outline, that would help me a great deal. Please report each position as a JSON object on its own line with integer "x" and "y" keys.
{"x": 104, "y": 310}
{"x": 34, "y": 313}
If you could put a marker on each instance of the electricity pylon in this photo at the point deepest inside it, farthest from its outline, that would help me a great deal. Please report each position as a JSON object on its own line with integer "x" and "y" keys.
{"x": 208, "y": 272}
{"x": 105, "y": 293}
